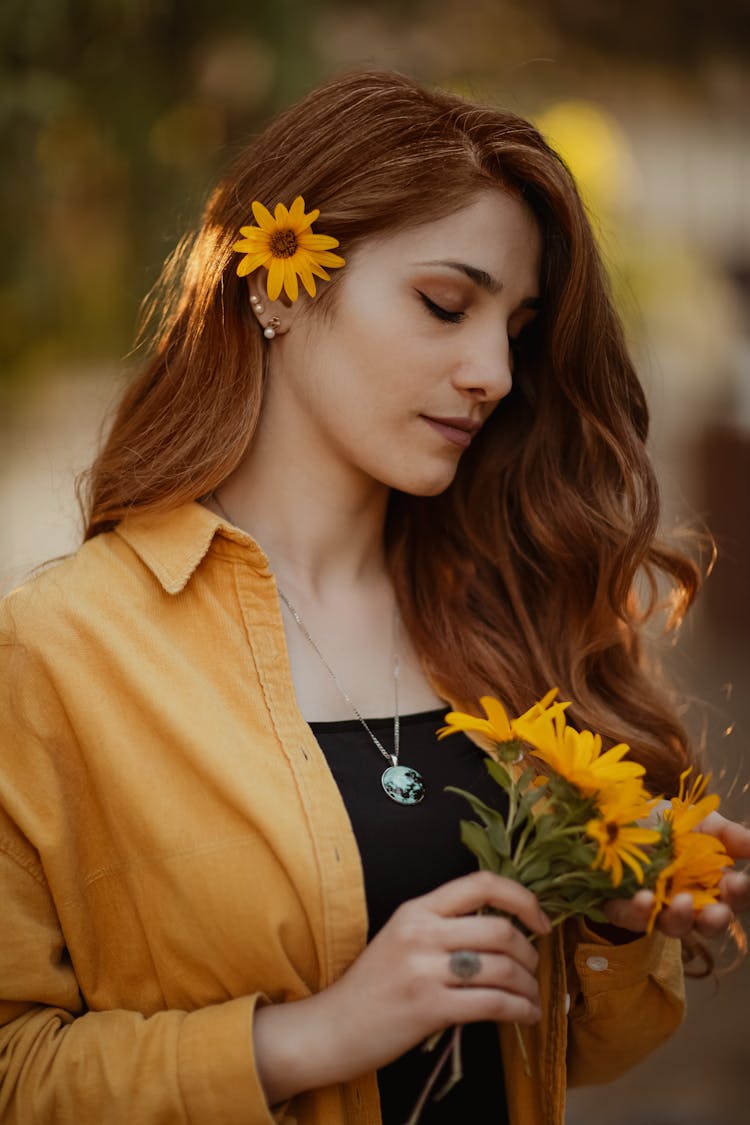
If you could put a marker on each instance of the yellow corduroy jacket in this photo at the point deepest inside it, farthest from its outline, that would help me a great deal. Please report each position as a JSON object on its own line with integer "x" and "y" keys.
{"x": 174, "y": 850}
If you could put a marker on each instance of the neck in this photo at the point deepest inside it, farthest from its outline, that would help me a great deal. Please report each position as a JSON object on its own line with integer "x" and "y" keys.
{"x": 320, "y": 525}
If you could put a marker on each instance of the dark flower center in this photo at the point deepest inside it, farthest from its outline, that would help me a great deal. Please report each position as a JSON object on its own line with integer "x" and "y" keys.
{"x": 283, "y": 243}
{"x": 613, "y": 831}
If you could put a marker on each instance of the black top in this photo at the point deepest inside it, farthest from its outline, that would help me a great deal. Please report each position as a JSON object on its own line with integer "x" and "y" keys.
{"x": 407, "y": 851}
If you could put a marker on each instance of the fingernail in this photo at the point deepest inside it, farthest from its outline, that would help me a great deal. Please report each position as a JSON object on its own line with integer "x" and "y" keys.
{"x": 682, "y": 901}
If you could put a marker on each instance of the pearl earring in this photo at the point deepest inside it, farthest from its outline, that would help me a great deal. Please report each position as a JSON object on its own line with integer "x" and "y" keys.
{"x": 270, "y": 330}
{"x": 257, "y": 307}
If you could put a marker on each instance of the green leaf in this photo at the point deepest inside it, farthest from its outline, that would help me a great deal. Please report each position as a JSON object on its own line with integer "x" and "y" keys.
{"x": 499, "y": 773}
{"x": 497, "y": 835}
{"x": 544, "y": 825}
{"x": 508, "y": 869}
{"x": 493, "y": 818}
{"x": 475, "y": 838}
{"x": 538, "y": 868}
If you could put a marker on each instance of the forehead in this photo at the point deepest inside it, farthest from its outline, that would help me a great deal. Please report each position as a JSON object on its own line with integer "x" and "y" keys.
{"x": 495, "y": 232}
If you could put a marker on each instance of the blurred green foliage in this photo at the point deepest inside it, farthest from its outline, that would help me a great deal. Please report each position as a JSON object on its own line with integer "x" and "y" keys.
{"x": 116, "y": 114}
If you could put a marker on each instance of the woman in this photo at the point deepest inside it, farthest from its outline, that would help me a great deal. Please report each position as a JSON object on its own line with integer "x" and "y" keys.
{"x": 426, "y": 482}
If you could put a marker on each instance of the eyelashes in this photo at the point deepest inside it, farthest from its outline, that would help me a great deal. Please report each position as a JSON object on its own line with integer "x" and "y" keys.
{"x": 439, "y": 312}
{"x": 518, "y": 344}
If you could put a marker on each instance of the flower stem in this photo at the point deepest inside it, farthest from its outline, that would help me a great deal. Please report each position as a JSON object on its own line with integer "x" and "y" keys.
{"x": 452, "y": 1047}
{"x": 522, "y": 841}
{"x": 522, "y": 1049}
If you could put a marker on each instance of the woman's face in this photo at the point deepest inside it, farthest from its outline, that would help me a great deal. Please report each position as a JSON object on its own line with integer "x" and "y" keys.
{"x": 418, "y": 350}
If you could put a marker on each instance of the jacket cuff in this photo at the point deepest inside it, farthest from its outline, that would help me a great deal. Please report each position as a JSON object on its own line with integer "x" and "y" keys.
{"x": 216, "y": 1065}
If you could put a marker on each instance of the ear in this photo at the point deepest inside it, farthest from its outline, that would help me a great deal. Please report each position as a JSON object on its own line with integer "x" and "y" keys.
{"x": 274, "y": 317}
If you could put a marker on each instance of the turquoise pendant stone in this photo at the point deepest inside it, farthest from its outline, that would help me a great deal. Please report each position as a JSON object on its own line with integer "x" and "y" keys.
{"x": 403, "y": 785}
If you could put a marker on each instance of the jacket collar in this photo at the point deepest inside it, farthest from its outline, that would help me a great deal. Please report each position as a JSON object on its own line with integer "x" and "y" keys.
{"x": 172, "y": 544}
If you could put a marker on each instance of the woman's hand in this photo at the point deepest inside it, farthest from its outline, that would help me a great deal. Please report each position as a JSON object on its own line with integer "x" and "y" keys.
{"x": 401, "y": 988}
{"x": 679, "y": 918}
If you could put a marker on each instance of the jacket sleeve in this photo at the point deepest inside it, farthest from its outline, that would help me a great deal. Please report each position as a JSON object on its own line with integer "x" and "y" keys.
{"x": 624, "y": 1001}
{"x": 61, "y": 1064}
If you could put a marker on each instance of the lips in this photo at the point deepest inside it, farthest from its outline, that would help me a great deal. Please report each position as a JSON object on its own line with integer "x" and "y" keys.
{"x": 460, "y": 431}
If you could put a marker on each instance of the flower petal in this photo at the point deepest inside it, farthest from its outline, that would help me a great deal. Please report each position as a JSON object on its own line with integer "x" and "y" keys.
{"x": 459, "y": 720}
{"x": 299, "y": 220}
{"x": 325, "y": 258}
{"x": 318, "y": 270}
{"x": 290, "y": 280}
{"x": 310, "y": 241}
{"x": 251, "y": 262}
{"x": 250, "y": 245}
{"x": 635, "y": 867}
{"x": 263, "y": 216}
{"x": 306, "y": 276}
{"x": 275, "y": 278}
{"x": 498, "y": 718}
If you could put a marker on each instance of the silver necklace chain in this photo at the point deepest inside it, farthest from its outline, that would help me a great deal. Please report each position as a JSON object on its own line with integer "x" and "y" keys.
{"x": 391, "y": 758}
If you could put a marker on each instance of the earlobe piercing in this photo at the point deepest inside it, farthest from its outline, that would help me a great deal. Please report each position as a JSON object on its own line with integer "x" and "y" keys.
{"x": 270, "y": 330}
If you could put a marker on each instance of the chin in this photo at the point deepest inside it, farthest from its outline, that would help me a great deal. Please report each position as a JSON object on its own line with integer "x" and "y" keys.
{"x": 430, "y": 486}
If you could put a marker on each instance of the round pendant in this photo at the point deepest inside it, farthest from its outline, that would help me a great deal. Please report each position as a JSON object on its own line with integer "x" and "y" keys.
{"x": 403, "y": 785}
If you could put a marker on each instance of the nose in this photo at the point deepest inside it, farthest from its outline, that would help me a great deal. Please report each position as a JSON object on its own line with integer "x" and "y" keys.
{"x": 485, "y": 372}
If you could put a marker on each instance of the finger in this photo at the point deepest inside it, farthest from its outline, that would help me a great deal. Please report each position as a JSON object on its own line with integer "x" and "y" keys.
{"x": 470, "y": 1005}
{"x": 482, "y": 888}
{"x": 631, "y": 913}
{"x": 735, "y": 891}
{"x": 488, "y": 934}
{"x": 735, "y": 837}
{"x": 677, "y": 919}
{"x": 713, "y": 920}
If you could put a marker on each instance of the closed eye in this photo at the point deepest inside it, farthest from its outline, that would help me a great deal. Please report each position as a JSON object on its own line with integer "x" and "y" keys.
{"x": 439, "y": 312}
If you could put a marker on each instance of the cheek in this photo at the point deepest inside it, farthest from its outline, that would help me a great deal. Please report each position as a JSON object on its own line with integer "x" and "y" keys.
{"x": 370, "y": 372}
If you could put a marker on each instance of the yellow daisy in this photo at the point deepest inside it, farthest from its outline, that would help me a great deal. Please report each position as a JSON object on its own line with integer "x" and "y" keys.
{"x": 618, "y": 834}
{"x": 576, "y": 755}
{"x": 497, "y": 726}
{"x": 285, "y": 245}
{"x": 697, "y": 868}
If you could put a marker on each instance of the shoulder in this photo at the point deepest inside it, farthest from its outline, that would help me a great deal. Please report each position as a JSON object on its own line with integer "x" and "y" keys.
{"x": 83, "y": 583}
{"x": 147, "y": 557}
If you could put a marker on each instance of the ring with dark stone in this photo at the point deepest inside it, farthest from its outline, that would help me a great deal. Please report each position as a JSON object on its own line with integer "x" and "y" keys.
{"x": 464, "y": 963}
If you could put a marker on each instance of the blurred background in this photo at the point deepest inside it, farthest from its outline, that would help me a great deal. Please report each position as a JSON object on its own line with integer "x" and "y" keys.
{"x": 117, "y": 115}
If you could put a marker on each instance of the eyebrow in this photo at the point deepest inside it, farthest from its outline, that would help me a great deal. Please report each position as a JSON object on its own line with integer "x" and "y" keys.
{"x": 483, "y": 279}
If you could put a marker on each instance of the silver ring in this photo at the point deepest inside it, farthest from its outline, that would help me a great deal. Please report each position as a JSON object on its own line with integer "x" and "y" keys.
{"x": 464, "y": 963}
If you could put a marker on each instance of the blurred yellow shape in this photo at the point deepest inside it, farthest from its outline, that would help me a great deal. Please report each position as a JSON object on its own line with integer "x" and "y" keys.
{"x": 595, "y": 148}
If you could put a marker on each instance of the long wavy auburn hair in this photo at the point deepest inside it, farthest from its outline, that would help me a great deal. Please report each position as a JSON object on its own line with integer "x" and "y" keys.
{"x": 524, "y": 573}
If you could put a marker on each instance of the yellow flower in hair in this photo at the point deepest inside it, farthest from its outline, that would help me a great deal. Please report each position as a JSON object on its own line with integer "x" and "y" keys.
{"x": 285, "y": 245}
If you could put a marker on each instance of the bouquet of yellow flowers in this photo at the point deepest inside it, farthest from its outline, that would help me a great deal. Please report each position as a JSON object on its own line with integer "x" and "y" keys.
{"x": 575, "y": 836}
{"x": 580, "y": 826}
